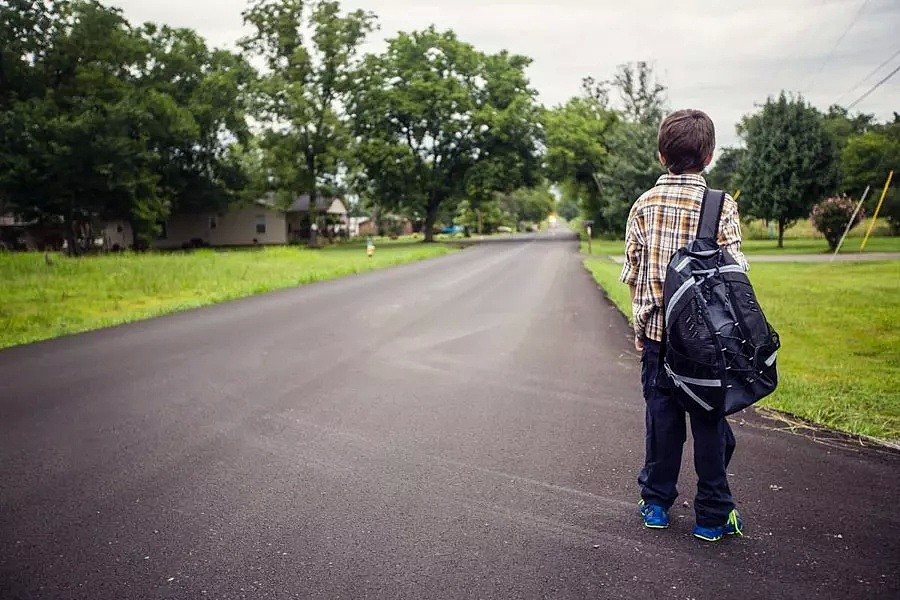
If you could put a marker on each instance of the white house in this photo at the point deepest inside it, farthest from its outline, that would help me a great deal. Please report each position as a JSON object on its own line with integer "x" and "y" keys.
{"x": 263, "y": 223}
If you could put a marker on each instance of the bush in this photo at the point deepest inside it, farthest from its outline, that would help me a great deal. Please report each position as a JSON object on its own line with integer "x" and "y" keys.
{"x": 831, "y": 216}
{"x": 891, "y": 211}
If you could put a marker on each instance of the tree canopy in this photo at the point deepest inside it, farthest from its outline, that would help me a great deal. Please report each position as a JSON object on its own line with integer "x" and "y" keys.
{"x": 606, "y": 157}
{"x": 790, "y": 162}
{"x": 310, "y": 50}
{"x": 435, "y": 121}
{"x": 103, "y": 120}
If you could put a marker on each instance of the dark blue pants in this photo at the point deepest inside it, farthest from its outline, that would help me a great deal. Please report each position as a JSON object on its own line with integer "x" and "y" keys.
{"x": 666, "y": 434}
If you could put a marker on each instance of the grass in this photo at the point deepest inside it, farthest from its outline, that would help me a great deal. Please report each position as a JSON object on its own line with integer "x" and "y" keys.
{"x": 604, "y": 247}
{"x": 40, "y": 301}
{"x": 800, "y": 238}
{"x": 840, "y": 359}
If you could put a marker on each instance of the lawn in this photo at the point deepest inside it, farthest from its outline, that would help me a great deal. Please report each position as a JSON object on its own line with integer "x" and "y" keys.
{"x": 839, "y": 364}
{"x": 69, "y": 295}
{"x": 604, "y": 247}
{"x": 800, "y": 238}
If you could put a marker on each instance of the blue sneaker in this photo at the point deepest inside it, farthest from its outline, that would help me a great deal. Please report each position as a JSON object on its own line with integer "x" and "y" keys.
{"x": 733, "y": 526}
{"x": 655, "y": 516}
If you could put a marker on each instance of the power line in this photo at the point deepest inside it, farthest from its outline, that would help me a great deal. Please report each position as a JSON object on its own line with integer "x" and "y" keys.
{"x": 838, "y": 42}
{"x": 873, "y": 88}
{"x": 863, "y": 80}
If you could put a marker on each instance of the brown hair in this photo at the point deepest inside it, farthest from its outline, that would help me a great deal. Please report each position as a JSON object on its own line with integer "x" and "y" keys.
{"x": 686, "y": 139}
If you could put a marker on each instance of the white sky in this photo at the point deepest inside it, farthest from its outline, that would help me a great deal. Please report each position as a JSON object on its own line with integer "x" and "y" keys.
{"x": 724, "y": 57}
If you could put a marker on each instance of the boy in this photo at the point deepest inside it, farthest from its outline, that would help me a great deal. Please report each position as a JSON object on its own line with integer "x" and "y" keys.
{"x": 662, "y": 220}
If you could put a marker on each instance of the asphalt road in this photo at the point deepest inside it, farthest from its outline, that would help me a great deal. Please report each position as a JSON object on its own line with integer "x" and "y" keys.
{"x": 466, "y": 427}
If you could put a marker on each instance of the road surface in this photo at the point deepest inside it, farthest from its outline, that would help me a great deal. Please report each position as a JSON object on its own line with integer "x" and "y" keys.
{"x": 466, "y": 427}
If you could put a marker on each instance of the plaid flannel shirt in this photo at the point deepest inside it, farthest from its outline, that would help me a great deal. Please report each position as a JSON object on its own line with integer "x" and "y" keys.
{"x": 664, "y": 219}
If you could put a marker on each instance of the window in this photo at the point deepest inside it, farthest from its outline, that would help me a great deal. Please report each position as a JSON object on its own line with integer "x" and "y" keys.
{"x": 260, "y": 223}
{"x": 213, "y": 222}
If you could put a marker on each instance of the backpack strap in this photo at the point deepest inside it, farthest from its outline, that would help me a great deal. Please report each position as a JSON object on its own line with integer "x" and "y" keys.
{"x": 710, "y": 214}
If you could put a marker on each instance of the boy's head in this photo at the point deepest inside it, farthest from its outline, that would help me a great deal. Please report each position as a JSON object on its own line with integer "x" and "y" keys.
{"x": 686, "y": 141}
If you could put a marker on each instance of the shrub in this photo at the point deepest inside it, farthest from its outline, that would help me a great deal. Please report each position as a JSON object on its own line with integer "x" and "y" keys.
{"x": 891, "y": 211}
{"x": 831, "y": 216}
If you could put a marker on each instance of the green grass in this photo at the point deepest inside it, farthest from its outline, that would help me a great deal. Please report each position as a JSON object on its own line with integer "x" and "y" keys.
{"x": 602, "y": 247}
{"x": 839, "y": 364}
{"x": 40, "y": 301}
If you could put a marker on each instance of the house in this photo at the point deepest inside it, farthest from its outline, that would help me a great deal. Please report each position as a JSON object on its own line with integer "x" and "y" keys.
{"x": 262, "y": 223}
{"x": 389, "y": 224}
{"x": 361, "y": 226}
{"x": 14, "y": 233}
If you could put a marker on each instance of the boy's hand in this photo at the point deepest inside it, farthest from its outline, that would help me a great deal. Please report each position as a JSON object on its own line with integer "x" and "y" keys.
{"x": 638, "y": 344}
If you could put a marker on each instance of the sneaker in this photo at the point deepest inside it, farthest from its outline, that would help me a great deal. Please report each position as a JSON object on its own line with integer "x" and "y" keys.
{"x": 655, "y": 516}
{"x": 733, "y": 526}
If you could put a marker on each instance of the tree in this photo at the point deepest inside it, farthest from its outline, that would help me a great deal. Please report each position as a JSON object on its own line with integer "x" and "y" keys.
{"x": 579, "y": 134}
{"x": 567, "y": 205}
{"x": 723, "y": 175}
{"x": 841, "y": 126}
{"x": 310, "y": 50}
{"x": 633, "y": 168}
{"x": 102, "y": 121}
{"x": 866, "y": 160}
{"x": 206, "y": 96}
{"x": 789, "y": 164}
{"x": 526, "y": 205}
{"x": 643, "y": 97}
{"x": 868, "y": 157}
{"x": 73, "y": 149}
{"x": 437, "y": 121}
{"x": 606, "y": 157}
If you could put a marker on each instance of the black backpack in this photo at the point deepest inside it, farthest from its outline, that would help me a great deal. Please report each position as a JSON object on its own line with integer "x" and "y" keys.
{"x": 718, "y": 351}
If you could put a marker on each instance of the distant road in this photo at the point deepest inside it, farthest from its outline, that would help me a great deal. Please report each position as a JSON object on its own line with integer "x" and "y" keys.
{"x": 465, "y": 427}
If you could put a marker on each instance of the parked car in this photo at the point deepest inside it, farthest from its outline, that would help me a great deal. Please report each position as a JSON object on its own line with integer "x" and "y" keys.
{"x": 452, "y": 230}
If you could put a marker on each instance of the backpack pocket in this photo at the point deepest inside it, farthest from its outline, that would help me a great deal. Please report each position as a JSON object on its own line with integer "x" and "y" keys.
{"x": 695, "y": 384}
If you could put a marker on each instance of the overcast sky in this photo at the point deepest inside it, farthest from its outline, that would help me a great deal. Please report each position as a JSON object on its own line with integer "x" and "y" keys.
{"x": 723, "y": 56}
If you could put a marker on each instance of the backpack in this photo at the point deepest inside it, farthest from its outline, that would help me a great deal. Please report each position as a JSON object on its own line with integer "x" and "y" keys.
{"x": 718, "y": 351}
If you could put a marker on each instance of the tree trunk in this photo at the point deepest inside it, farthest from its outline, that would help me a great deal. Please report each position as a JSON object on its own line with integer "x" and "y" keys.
{"x": 313, "y": 218}
{"x": 430, "y": 218}
{"x": 71, "y": 241}
{"x": 781, "y": 224}
{"x": 313, "y": 207}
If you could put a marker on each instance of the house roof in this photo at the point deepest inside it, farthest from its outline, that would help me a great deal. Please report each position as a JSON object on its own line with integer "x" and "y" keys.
{"x": 332, "y": 206}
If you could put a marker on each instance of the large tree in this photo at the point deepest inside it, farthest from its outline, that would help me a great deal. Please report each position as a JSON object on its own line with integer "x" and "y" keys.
{"x": 723, "y": 175}
{"x": 437, "y": 121}
{"x": 73, "y": 147}
{"x": 867, "y": 159}
{"x": 206, "y": 92}
{"x": 310, "y": 51}
{"x": 101, "y": 121}
{"x": 579, "y": 134}
{"x": 790, "y": 162}
{"x": 607, "y": 156}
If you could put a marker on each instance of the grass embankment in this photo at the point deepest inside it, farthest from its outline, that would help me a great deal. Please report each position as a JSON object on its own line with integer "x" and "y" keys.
{"x": 839, "y": 364}
{"x": 40, "y": 301}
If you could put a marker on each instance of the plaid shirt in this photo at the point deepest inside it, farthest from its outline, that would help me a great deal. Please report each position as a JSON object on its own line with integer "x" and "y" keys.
{"x": 664, "y": 219}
